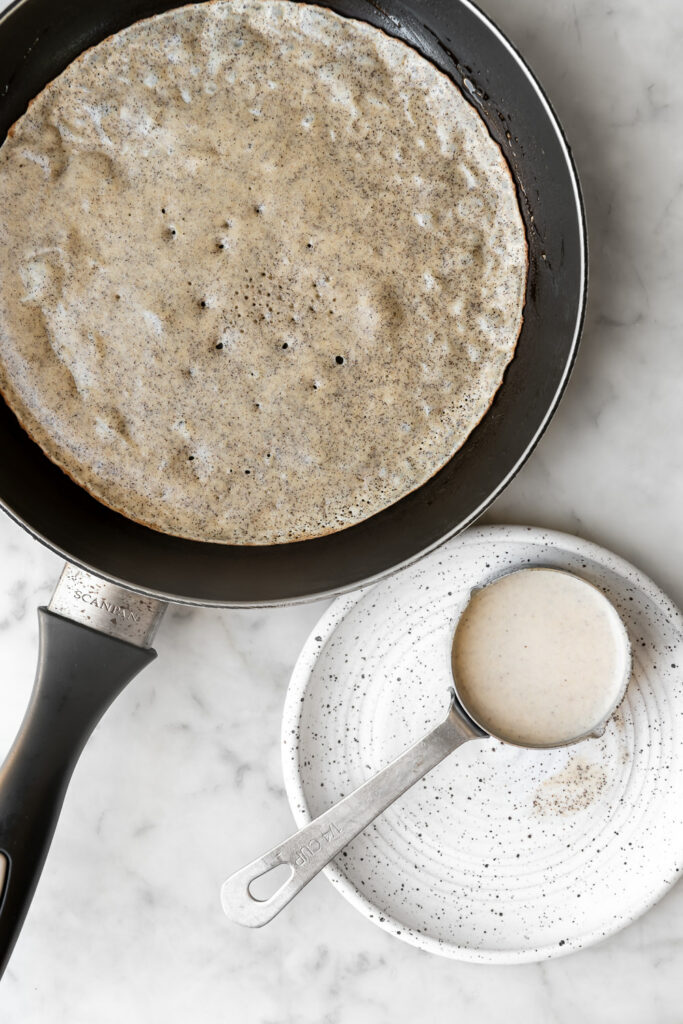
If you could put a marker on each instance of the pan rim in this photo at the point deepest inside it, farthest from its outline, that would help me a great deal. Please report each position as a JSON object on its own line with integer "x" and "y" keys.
{"x": 333, "y": 591}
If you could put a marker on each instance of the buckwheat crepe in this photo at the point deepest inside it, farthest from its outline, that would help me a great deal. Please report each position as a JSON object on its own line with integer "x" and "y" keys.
{"x": 262, "y": 271}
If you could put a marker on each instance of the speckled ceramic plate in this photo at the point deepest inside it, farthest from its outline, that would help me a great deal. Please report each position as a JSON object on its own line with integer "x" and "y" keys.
{"x": 500, "y": 855}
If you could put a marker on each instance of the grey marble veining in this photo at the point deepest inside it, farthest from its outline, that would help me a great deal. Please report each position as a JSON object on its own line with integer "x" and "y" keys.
{"x": 609, "y": 465}
{"x": 181, "y": 782}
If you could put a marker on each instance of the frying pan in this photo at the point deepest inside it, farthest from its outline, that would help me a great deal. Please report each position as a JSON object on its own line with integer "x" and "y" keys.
{"x": 97, "y": 632}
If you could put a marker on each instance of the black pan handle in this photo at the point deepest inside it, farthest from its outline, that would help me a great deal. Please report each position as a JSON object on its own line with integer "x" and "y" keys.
{"x": 80, "y": 671}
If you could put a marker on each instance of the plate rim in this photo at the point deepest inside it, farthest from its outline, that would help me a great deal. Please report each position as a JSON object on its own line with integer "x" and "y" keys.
{"x": 298, "y": 683}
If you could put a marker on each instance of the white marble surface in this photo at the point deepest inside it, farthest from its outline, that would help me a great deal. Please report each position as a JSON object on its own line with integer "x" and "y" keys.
{"x": 182, "y": 781}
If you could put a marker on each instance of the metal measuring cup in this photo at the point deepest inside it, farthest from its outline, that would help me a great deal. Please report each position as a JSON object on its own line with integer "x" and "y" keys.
{"x": 312, "y": 847}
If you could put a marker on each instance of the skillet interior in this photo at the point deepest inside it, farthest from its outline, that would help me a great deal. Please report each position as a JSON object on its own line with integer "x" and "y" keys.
{"x": 38, "y": 40}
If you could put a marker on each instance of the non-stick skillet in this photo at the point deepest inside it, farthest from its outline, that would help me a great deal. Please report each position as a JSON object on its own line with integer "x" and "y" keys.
{"x": 97, "y": 632}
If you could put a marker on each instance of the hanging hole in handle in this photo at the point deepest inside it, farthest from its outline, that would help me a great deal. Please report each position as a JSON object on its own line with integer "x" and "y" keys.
{"x": 3, "y": 875}
{"x": 264, "y": 886}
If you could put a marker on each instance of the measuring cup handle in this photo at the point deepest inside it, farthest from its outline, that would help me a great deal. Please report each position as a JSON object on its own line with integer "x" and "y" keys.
{"x": 315, "y": 845}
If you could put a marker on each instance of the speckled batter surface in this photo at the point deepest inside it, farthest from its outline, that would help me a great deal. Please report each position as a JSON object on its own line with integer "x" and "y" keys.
{"x": 499, "y": 855}
{"x": 263, "y": 269}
